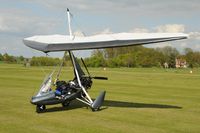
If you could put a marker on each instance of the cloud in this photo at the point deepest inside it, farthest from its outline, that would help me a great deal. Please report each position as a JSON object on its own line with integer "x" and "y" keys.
{"x": 139, "y": 30}
{"x": 3, "y": 27}
{"x": 105, "y": 31}
{"x": 191, "y": 42}
{"x": 79, "y": 33}
{"x": 168, "y": 28}
{"x": 138, "y": 7}
{"x": 15, "y": 24}
{"x": 19, "y": 22}
{"x": 194, "y": 35}
{"x": 22, "y": 18}
{"x": 3, "y": 48}
{"x": 171, "y": 28}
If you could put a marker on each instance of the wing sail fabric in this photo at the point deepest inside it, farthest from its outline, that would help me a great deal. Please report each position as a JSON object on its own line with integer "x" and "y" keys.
{"x": 50, "y": 43}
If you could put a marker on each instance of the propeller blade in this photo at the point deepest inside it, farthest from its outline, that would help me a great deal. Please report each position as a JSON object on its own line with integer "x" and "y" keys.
{"x": 85, "y": 66}
{"x": 101, "y": 78}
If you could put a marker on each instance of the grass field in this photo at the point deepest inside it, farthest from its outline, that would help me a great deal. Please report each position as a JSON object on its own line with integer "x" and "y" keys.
{"x": 138, "y": 100}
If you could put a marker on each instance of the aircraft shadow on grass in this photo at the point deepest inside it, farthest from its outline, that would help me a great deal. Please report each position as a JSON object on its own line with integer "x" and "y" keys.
{"x": 112, "y": 103}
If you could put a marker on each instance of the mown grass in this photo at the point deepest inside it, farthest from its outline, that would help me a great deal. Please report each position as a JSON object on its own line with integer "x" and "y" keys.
{"x": 138, "y": 100}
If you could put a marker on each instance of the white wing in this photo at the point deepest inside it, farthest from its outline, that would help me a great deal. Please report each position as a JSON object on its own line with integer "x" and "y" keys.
{"x": 49, "y": 43}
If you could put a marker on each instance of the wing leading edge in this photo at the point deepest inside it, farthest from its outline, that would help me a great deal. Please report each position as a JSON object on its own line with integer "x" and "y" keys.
{"x": 51, "y": 43}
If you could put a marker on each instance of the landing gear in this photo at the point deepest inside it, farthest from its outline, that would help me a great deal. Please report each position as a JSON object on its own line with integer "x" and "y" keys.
{"x": 40, "y": 108}
{"x": 66, "y": 104}
{"x": 95, "y": 109}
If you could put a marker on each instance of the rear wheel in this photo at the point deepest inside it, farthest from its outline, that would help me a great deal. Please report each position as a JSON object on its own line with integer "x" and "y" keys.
{"x": 95, "y": 109}
{"x": 66, "y": 104}
{"x": 40, "y": 108}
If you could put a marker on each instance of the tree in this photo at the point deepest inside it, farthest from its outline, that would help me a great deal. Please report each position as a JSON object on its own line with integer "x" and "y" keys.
{"x": 192, "y": 58}
{"x": 9, "y": 59}
{"x": 170, "y": 55}
{"x": 1, "y": 57}
{"x": 21, "y": 58}
{"x": 44, "y": 61}
{"x": 97, "y": 59}
{"x": 188, "y": 50}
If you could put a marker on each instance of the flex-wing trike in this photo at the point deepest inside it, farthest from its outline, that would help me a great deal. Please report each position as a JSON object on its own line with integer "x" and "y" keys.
{"x": 65, "y": 92}
{"x": 77, "y": 88}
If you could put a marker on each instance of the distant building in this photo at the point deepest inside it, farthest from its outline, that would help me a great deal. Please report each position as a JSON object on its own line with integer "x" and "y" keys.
{"x": 181, "y": 63}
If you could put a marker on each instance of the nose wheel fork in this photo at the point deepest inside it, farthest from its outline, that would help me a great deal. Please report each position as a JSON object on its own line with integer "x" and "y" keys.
{"x": 40, "y": 108}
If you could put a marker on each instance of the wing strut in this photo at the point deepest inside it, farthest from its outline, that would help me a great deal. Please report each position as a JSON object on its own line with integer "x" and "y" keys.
{"x": 78, "y": 79}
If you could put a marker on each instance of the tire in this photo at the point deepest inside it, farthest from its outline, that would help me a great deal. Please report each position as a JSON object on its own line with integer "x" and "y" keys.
{"x": 40, "y": 108}
{"x": 66, "y": 104}
{"x": 95, "y": 109}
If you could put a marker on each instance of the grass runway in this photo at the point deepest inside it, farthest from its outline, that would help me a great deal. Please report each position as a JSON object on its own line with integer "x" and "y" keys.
{"x": 138, "y": 100}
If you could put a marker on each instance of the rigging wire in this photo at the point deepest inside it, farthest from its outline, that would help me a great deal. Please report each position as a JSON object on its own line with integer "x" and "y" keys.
{"x": 39, "y": 63}
{"x": 33, "y": 54}
{"x": 74, "y": 22}
{"x": 61, "y": 65}
{"x": 41, "y": 68}
{"x": 79, "y": 27}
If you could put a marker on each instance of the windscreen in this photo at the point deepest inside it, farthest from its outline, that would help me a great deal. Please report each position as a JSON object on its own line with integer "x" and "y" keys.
{"x": 46, "y": 85}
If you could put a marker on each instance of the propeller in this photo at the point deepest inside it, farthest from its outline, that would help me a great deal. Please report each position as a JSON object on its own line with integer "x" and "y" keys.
{"x": 85, "y": 66}
{"x": 101, "y": 78}
{"x": 96, "y": 77}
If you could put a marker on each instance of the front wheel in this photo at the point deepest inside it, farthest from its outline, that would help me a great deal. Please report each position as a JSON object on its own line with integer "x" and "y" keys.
{"x": 40, "y": 108}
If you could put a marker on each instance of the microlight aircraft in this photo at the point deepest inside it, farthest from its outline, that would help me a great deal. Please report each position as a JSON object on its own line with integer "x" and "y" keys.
{"x": 77, "y": 88}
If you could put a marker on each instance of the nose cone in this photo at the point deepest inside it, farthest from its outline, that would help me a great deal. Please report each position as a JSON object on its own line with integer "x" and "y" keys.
{"x": 33, "y": 100}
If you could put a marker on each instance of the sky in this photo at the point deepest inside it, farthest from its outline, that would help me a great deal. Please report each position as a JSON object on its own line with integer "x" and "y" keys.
{"x": 25, "y": 18}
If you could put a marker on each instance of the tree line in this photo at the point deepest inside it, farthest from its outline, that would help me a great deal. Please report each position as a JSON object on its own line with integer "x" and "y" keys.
{"x": 139, "y": 56}
{"x": 133, "y": 56}
{"x": 34, "y": 61}
{"x": 11, "y": 59}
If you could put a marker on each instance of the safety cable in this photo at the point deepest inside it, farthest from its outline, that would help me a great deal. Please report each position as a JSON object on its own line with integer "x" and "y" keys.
{"x": 61, "y": 65}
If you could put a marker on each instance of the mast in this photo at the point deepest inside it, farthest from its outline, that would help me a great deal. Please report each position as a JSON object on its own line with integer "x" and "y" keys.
{"x": 69, "y": 23}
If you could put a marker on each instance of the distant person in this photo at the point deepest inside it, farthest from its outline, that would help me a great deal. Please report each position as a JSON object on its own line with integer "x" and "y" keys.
{"x": 166, "y": 65}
